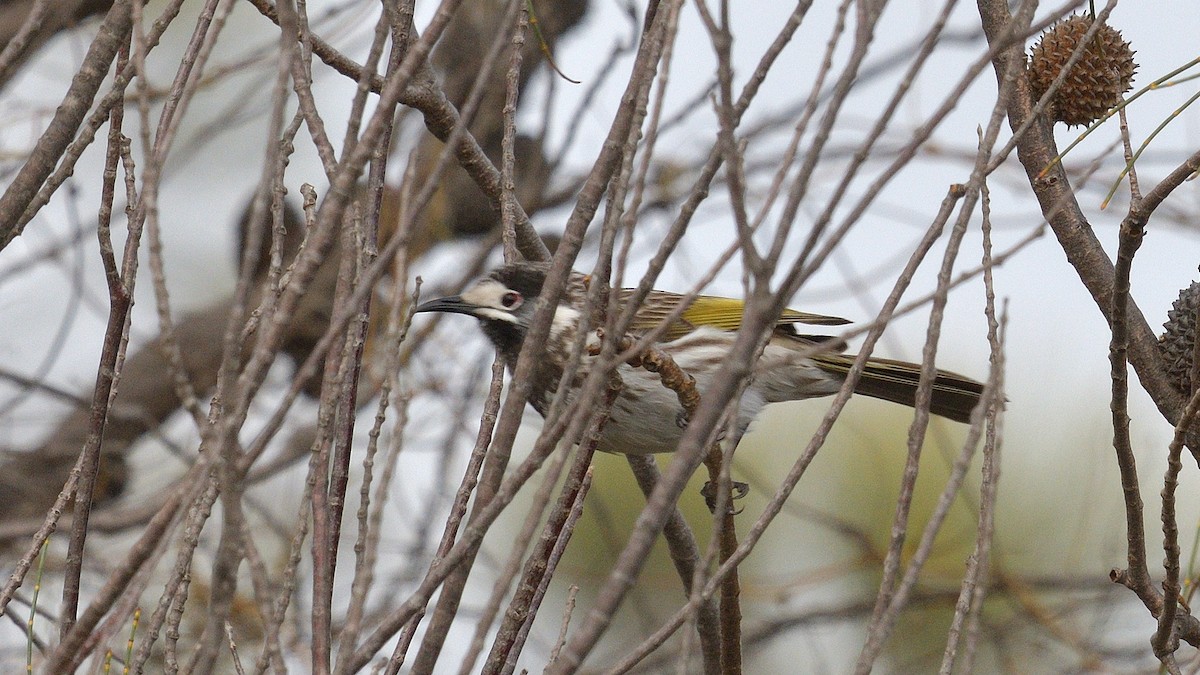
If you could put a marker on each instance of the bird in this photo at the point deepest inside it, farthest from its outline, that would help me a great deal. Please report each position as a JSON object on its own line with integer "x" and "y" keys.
{"x": 646, "y": 417}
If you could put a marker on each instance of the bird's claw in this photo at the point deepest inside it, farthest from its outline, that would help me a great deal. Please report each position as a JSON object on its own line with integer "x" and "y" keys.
{"x": 737, "y": 490}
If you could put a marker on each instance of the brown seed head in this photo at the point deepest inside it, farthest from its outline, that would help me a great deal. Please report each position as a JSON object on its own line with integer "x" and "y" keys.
{"x": 1176, "y": 344}
{"x": 1095, "y": 83}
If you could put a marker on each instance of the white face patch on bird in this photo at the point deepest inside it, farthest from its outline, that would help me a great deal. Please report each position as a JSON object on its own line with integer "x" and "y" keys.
{"x": 493, "y": 300}
{"x": 493, "y": 304}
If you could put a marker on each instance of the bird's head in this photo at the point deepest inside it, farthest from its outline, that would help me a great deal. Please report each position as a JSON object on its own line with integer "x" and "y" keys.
{"x": 503, "y": 301}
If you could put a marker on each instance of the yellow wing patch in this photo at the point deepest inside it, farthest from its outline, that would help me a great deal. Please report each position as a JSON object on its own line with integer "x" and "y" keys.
{"x": 711, "y": 310}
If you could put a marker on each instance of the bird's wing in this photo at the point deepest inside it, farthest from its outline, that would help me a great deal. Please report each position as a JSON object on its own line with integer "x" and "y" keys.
{"x": 710, "y": 310}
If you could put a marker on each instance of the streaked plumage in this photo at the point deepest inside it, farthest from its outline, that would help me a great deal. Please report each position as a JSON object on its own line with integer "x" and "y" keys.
{"x": 644, "y": 417}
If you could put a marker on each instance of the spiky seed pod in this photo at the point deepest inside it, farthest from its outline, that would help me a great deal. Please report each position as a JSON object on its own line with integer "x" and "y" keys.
{"x": 1176, "y": 344}
{"x": 1095, "y": 83}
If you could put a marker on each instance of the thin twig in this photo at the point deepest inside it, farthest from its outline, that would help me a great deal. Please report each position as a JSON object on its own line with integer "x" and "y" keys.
{"x": 685, "y": 554}
{"x": 969, "y": 605}
{"x": 113, "y": 34}
{"x": 120, "y": 289}
{"x": 891, "y": 598}
{"x": 541, "y": 566}
{"x": 512, "y": 567}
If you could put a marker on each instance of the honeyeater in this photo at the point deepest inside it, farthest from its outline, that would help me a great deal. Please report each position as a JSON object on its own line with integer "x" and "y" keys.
{"x": 645, "y": 415}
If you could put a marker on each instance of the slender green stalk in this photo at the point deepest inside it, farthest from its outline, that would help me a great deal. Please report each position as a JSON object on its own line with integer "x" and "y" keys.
{"x": 37, "y": 587}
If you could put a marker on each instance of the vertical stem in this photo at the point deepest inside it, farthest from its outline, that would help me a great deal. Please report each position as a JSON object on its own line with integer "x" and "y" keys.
{"x": 731, "y": 610}
{"x": 120, "y": 301}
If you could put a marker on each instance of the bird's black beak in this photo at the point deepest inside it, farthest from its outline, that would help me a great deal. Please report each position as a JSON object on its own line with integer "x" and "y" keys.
{"x": 451, "y": 303}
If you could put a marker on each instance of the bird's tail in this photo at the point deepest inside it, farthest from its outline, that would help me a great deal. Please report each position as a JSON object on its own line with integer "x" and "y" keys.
{"x": 954, "y": 395}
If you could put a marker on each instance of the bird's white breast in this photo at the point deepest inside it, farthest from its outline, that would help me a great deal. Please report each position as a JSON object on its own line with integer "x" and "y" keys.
{"x": 646, "y": 417}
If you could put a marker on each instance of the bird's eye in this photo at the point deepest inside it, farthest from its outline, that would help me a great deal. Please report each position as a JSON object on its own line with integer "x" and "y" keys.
{"x": 511, "y": 300}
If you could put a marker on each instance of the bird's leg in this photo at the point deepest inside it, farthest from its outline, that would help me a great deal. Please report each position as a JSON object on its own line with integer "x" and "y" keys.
{"x": 737, "y": 490}
{"x": 684, "y": 385}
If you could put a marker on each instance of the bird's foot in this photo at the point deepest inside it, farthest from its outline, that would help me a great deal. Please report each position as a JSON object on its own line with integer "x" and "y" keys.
{"x": 737, "y": 490}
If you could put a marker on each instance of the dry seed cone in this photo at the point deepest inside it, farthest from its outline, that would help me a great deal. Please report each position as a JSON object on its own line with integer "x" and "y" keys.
{"x": 1176, "y": 344}
{"x": 1095, "y": 83}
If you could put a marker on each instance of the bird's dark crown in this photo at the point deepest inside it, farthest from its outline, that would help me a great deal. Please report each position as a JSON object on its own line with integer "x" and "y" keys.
{"x": 525, "y": 278}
